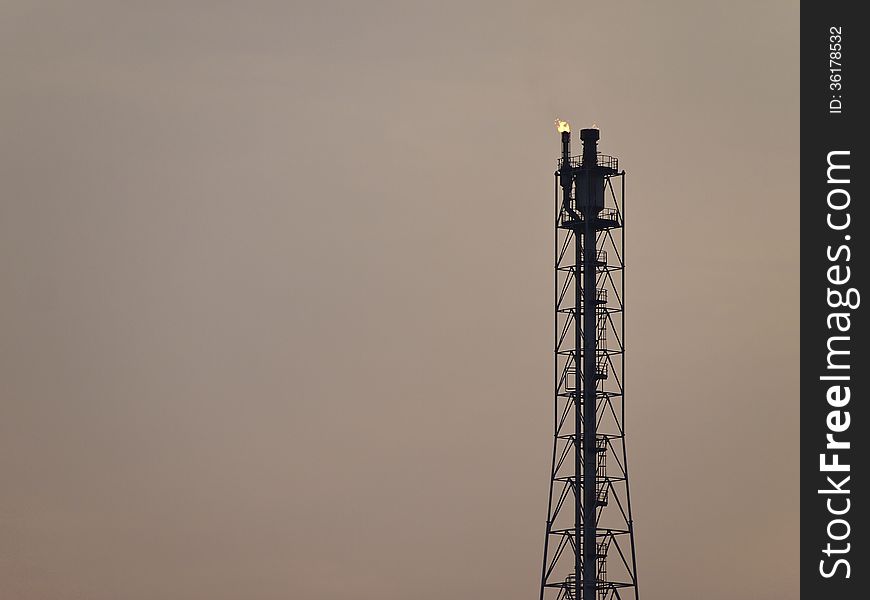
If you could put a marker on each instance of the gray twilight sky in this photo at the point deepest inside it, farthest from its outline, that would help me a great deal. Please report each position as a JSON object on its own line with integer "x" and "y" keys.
{"x": 276, "y": 312}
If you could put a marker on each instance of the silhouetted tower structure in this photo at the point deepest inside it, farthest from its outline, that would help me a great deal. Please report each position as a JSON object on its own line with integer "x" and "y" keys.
{"x": 589, "y": 544}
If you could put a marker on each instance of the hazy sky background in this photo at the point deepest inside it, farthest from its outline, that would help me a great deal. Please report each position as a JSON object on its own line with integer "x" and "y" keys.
{"x": 276, "y": 316}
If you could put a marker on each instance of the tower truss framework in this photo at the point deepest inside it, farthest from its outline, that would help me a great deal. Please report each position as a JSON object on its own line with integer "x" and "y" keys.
{"x": 589, "y": 549}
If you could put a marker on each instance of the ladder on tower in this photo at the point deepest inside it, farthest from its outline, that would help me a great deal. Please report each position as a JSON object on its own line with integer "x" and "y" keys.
{"x": 601, "y": 342}
{"x": 601, "y": 486}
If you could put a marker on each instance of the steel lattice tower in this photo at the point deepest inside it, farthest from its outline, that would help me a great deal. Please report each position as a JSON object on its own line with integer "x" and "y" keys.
{"x": 589, "y": 544}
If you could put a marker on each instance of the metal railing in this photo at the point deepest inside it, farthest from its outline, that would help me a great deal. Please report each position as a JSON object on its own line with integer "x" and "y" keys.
{"x": 609, "y": 214}
{"x": 604, "y": 160}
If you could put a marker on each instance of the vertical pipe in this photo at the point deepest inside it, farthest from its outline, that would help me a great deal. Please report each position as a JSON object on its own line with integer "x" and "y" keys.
{"x": 589, "y": 205}
{"x": 568, "y": 180}
{"x": 566, "y": 174}
{"x": 566, "y": 146}
{"x": 589, "y": 404}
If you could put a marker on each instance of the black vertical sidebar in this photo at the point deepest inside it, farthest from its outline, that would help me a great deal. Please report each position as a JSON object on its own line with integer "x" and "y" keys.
{"x": 835, "y": 372}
